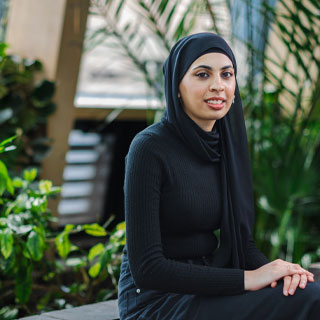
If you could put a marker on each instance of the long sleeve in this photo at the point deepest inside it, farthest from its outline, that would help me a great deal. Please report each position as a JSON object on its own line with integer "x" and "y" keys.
{"x": 254, "y": 257}
{"x": 144, "y": 179}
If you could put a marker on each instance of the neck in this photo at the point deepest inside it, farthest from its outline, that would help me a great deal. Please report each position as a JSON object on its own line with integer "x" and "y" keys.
{"x": 206, "y": 125}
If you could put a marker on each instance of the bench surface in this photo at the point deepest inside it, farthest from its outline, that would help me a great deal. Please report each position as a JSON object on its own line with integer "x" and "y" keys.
{"x": 107, "y": 310}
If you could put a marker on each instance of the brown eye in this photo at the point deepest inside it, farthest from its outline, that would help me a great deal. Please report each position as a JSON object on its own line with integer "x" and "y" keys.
{"x": 202, "y": 75}
{"x": 227, "y": 74}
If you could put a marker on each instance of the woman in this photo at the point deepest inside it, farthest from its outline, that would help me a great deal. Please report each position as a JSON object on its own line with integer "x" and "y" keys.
{"x": 187, "y": 184}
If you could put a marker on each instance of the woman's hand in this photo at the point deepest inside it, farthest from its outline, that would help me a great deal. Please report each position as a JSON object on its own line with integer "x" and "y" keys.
{"x": 290, "y": 283}
{"x": 270, "y": 273}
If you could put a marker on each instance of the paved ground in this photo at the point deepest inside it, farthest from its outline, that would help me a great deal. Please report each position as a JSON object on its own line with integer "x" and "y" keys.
{"x": 98, "y": 311}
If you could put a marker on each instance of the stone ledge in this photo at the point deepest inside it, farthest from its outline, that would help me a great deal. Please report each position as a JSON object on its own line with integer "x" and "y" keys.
{"x": 107, "y": 310}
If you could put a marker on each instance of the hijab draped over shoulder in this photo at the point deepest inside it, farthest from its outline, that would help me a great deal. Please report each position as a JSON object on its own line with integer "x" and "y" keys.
{"x": 226, "y": 143}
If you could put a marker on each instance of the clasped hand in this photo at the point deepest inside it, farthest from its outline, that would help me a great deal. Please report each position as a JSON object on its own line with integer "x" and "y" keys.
{"x": 293, "y": 275}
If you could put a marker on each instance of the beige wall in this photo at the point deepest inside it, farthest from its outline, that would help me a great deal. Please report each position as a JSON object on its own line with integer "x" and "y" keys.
{"x": 52, "y": 31}
{"x": 34, "y": 30}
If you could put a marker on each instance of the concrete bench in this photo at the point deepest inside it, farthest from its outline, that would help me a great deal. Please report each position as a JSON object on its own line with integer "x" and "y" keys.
{"x": 107, "y": 310}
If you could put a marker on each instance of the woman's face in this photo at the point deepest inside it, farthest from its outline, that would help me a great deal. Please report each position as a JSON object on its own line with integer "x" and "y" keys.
{"x": 207, "y": 89}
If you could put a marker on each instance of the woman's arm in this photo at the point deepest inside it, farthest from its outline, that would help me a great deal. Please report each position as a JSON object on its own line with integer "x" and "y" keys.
{"x": 144, "y": 178}
{"x": 254, "y": 257}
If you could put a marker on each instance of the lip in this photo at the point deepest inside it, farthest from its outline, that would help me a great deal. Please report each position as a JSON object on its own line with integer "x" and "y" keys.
{"x": 216, "y": 106}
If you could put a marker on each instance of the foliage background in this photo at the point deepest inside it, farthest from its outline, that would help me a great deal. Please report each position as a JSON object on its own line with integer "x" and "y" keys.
{"x": 40, "y": 268}
{"x": 25, "y": 105}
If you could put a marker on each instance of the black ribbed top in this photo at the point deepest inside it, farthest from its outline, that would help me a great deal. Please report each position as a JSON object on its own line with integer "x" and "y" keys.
{"x": 172, "y": 208}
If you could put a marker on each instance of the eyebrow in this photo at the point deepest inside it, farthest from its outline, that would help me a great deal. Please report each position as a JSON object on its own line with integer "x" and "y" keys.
{"x": 203, "y": 66}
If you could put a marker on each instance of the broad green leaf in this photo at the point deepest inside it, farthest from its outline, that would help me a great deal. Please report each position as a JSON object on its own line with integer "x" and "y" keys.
{"x": 63, "y": 244}
{"x": 119, "y": 238}
{"x": 75, "y": 262}
{"x": 30, "y": 175}
{"x": 7, "y": 266}
{"x": 55, "y": 190}
{"x": 3, "y": 184}
{"x": 45, "y": 186}
{"x": 7, "y": 313}
{"x": 17, "y": 182}
{"x": 16, "y": 222}
{"x": 74, "y": 248}
{"x": 6, "y": 141}
{"x": 94, "y": 230}
{"x": 105, "y": 257}
{"x": 9, "y": 148}
{"x": 121, "y": 226}
{"x": 35, "y": 245}
{"x": 5, "y": 180}
{"x": 3, "y": 47}
{"x": 6, "y": 242}
{"x": 10, "y": 187}
{"x": 44, "y": 205}
{"x": 69, "y": 227}
{"x": 95, "y": 270}
{"x": 3, "y": 222}
{"x": 95, "y": 250}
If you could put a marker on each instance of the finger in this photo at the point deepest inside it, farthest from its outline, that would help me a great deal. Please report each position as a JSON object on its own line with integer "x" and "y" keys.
{"x": 295, "y": 280}
{"x": 311, "y": 278}
{"x": 274, "y": 284}
{"x": 308, "y": 273}
{"x": 303, "y": 281}
{"x": 293, "y": 268}
{"x": 286, "y": 284}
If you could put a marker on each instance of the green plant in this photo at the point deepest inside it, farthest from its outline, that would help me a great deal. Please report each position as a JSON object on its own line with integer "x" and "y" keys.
{"x": 98, "y": 266}
{"x": 25, "y": 104}
{"x": 283, "y": 113}
{"x": 32, "y": 276}
{"x": 5, "y": 180}
{"x": 24, "y": 231}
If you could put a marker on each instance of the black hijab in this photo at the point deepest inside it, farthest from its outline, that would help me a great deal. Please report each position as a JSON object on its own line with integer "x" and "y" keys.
{"x": 227, "y": 143}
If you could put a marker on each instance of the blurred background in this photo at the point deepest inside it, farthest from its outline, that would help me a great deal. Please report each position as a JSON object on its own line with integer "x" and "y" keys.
{"x": 79, "y": 79}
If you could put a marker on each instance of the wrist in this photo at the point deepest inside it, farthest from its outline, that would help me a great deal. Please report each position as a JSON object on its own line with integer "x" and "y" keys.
{"x": 248, "y": 280}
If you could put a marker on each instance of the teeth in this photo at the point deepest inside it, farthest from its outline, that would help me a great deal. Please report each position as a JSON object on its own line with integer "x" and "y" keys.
{"x": 215, "y": 101}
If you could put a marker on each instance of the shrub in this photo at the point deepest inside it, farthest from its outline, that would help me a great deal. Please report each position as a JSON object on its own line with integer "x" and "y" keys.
{"x": 40, "y": 268}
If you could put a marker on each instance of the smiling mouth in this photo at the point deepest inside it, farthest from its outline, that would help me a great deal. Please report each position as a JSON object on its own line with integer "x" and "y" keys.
{"x": 216, "y": 104}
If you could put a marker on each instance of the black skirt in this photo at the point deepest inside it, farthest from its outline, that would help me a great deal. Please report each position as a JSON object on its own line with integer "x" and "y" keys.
{"x": 268, "y": 303}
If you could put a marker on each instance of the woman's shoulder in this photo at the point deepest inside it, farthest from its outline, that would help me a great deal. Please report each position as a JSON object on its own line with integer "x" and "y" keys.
{"x": 154, "y": 137}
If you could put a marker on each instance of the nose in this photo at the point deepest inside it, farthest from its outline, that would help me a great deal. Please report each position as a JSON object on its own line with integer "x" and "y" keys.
{"x": 216, "y": 84}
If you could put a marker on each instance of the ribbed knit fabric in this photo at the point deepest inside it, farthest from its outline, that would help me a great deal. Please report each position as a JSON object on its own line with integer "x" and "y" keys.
{"x": 172, "y": 208}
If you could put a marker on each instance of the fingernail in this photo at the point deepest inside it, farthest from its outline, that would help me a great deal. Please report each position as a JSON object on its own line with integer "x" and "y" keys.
{"x": 291, "y": 291}
{"x": 285, "y": 292}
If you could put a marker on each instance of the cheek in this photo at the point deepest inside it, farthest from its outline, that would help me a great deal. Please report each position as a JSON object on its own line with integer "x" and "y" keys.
{"x": 190, "y": 90}
{"x": 230, "y": 89}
